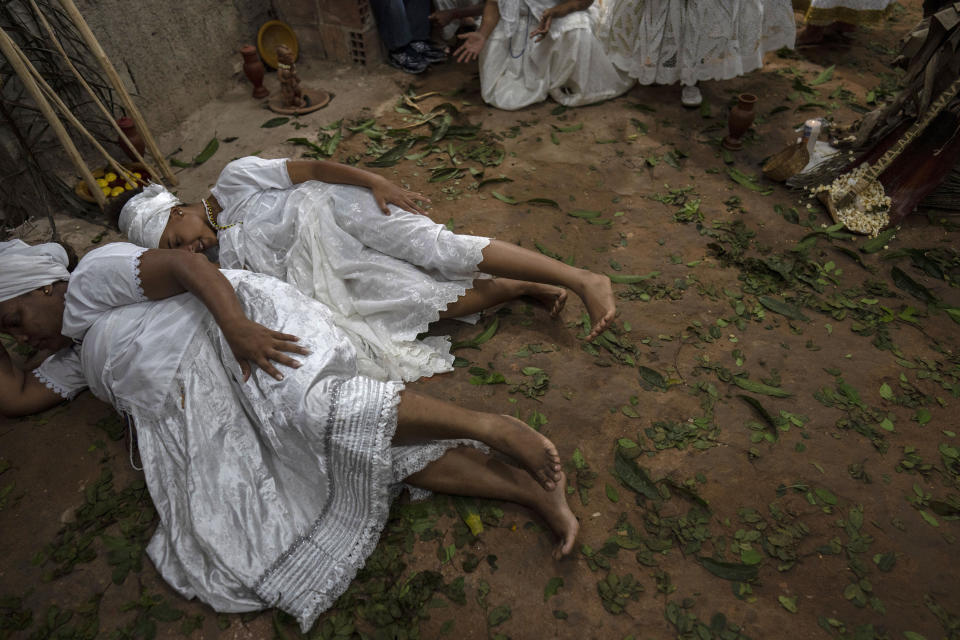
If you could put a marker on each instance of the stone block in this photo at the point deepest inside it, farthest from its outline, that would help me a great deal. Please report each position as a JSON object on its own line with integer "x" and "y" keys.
{"x": 352, "y": 14}
{"x": 347, "y": 45}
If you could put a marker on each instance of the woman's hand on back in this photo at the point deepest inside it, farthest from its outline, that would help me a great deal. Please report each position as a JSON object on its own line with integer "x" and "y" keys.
{"x": 168, "y": 272}
{"x": 254, "y": 343}
{"x": 385, "y": 192}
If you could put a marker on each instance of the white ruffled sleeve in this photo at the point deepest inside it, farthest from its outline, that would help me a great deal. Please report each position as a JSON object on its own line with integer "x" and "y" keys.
{"x": 62, "y": 373}
{"x": 106, "y": 278}
{"x": 245, "y": 177}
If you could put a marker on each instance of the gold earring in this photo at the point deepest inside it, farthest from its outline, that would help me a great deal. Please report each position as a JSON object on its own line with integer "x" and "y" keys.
{"x": 47, "y": 290}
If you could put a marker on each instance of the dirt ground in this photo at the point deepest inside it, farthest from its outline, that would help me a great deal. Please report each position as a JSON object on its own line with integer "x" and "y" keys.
{"x": 762, "y": 446}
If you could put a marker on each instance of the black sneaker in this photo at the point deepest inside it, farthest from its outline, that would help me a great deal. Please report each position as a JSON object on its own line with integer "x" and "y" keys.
{"x": 407, "y": 60}
{"x": 428, "y": 51}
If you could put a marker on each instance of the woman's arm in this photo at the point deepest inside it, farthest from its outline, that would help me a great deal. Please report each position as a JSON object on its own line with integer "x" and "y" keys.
{"x": 21, "y": 394}
{"x": 168, "y": 272}
{"x": 474, "y": 41}
{"x": 562, "y": 9}
{"x": 383, "y": 190}
{"x": 445, "y": 17}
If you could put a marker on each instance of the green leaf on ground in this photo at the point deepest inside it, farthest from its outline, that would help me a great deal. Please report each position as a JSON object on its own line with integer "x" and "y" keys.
{"x": 758, "y": 387}
{"x": 583, "y": 213}
{"x": 732, "y": 571}
{"x": 553, "y": 584}
{"x": 207, "y": 152}
{"x": 622, "y": 278}
{"x": 499, "y": 615}
{"x": 783, "y": 308}
{"x": 790, "y": 604}
{"x": 634, "y": 476}
{"x": 823, "y": 76}
{"x": 274, "y": 122}
{"x": 474, "y": 343}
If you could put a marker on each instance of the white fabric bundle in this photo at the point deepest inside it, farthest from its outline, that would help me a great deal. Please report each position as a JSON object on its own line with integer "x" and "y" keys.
{"x": 145, "y": 216}
{"x": 24, "y": 268}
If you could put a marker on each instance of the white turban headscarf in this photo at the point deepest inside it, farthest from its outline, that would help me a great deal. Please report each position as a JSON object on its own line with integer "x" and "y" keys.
{"x": 24, "y": 268}
{"x": 145, "y": 215}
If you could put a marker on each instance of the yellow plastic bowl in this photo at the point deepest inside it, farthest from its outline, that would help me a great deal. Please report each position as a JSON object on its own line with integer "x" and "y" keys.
{"x": 271, "y": 35}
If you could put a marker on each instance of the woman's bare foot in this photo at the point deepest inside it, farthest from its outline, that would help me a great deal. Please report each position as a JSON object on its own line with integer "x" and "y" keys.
{"x": 551, "y": 297}
{"x": 553, "y": 506}
{"x": 528, "y": 447}
{"x": 597, "y": 296}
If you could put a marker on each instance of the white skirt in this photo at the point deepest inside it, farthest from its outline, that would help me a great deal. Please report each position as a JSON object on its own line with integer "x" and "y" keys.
{"x": 688, "y": 41}
{"x": 384, "y": 278}
{"x": 273, "y": 493}
{"x": 568, "y": 65}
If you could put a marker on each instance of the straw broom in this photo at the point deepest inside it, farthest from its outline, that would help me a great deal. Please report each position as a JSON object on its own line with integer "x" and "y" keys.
{"x": 13, "y": 54}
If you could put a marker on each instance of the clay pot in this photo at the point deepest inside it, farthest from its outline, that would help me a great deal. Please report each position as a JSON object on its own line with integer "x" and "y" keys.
{"x": 130, "y": 130}
{"x": 741, "y": 117}
{"x": 253, "y": 69}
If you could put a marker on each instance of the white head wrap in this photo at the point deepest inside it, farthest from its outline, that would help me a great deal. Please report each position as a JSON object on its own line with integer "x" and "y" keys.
{"x": 145, "y": 215}
{"x": 24, "y": 268}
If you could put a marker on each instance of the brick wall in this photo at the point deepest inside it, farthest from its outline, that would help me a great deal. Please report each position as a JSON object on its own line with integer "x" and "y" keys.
{"x": 338, "y": 30}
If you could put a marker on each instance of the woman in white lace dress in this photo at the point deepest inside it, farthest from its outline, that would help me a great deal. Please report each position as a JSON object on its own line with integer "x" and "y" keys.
{"x": 271, "y": 488}
{"x": 689, "y": 41}
{"x": 531, "y": 49}
{"x": 384, "y": 277}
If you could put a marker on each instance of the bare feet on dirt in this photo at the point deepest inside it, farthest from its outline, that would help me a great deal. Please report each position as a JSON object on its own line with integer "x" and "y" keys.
{"x": 598, "y": 297}
{"x": 530, "y": 448}
{"x": 551, "y": 297}
{"x": 555, "y": 510}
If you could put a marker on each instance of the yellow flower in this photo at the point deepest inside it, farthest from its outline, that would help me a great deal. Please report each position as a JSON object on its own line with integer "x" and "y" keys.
{"x": 110, "y": 177}
{"x": 116, "y": 191}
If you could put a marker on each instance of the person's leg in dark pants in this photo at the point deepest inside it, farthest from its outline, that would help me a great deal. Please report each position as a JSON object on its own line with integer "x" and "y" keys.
{"x": 404, "y": 27}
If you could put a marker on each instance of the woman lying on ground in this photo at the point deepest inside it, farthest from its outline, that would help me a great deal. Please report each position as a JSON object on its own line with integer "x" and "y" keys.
{"x": 271, "y": 488}
{"x": 531, "y": 49}
{"x": 384, "y": 277}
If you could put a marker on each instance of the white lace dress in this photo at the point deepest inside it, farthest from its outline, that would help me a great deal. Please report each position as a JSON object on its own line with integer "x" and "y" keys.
{"x": 568, "y": 65}
{"x": 688, "y": 41}
{"x": 384, "y": 278}
{"x": 269, "y": 493}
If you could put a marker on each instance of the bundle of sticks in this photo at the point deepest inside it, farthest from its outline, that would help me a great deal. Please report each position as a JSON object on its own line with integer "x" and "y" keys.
{"x": 49, "y": 103}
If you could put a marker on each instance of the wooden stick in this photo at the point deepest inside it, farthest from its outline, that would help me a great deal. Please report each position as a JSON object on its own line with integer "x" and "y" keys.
{"x": 11, "y": 52}
{"x": 114, "y": 77}
{"x": 53, "y": 38}
{"x": 72, "y": 119}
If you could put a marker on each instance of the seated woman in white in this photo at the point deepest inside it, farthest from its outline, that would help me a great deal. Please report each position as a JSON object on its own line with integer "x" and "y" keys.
{"x": 384, "y": 277}
{"x": 531, "y": 49}
{"x": 689, "y": 41}
{"x": 271, "y": 487}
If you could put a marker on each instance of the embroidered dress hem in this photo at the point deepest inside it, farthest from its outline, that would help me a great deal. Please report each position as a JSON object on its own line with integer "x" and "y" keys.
{"x": 319, "y": 566}
{"x": 858, "y": 12}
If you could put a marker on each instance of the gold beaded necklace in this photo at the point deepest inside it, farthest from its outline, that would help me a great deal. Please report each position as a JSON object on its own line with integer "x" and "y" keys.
{"x": 213, "y": 219}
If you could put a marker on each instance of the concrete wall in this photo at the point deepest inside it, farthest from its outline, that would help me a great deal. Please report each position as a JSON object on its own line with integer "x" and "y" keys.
{"x": 175, "y": 55}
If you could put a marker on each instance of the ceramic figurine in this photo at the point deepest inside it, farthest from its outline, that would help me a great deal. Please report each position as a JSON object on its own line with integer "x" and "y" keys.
{"x": 289, "y": 82}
